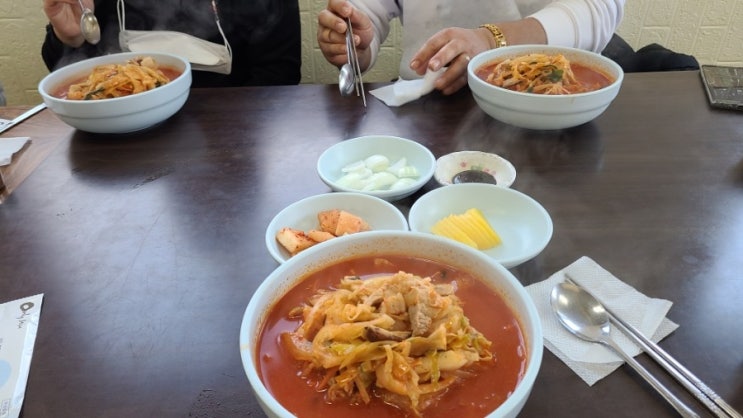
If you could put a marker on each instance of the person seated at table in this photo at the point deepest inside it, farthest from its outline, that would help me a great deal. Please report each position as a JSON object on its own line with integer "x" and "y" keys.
{"x": 447, "y": 33}
{"x": 229, "y": 42}
{"x": 2, "y": 95}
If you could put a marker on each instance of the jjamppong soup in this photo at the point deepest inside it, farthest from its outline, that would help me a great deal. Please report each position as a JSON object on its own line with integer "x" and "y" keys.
{"x": 114, "y": 80}
{"x": 472, "y": 391}
{"x": 543, "y": 74}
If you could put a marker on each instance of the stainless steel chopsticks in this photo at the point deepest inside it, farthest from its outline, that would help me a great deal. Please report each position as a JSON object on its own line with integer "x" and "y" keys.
{"x": 355, "y": 64}
{"x": 693, "y": 384}
{"x": 27, "y": 114}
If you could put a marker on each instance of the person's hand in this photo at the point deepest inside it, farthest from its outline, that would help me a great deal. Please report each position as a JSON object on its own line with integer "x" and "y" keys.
{"x": 331, "y": 33}
{"x": 451, "y": 48}
{"x": 64, "y": 16}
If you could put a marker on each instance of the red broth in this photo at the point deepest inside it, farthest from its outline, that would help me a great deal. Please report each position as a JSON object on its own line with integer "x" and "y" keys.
{"x": 475, "y": 397}
{"x": 589, "y": 77}
{"x": 61, "y": 91}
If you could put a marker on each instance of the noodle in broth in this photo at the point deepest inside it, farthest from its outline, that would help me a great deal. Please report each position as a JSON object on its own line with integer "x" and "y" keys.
{"x": 117, "y": 80}
{"x": 543, "y": 74}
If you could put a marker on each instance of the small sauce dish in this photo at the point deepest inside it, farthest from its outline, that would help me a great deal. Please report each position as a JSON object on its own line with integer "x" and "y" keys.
{"x": 474, "y": 167}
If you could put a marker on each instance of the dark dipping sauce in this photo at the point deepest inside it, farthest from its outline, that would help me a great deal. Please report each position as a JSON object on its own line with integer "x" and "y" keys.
{"x": 488, "y": 387}
{"x": 473, "y": 176}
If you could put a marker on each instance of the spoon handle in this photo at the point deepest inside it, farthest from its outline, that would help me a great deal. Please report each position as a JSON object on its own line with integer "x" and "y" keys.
{"x": 655, "y": 383}
{"x": 693, "y": 384}
{"x": 696, "y": 387}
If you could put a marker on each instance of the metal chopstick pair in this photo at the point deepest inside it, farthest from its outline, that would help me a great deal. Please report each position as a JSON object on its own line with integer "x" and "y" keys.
{"x": 353, "y": 59}
{"x": 693, "y": 384}
{"x": 5, "y": 125}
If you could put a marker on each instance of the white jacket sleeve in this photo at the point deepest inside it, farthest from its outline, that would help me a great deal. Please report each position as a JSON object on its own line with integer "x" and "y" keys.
{"x": 584, "y": 24}
{"x": 380, "y": 12}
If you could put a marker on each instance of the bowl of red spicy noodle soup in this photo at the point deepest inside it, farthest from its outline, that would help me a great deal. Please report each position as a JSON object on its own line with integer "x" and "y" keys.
{"x": 118, "y": 93}
{"x": 394, "y": 324}
{"x": 542, "y": 86}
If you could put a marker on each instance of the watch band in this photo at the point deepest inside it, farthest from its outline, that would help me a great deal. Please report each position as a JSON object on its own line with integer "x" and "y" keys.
{"x": 500, "y": 39}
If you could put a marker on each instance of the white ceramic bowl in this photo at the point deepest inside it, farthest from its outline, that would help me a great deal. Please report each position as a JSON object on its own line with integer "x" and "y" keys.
{"x": 380, "y": 243}
{"x": 120, "y": 114}
{"x": 539, "y": 111}
{"x": 523, "y": 224}
{"x": 447, "y": 166}
{"x": 333, "y": 159}
{"x": 302, "y": 215}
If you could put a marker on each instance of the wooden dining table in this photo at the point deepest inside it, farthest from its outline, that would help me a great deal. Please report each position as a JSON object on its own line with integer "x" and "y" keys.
{"x": 148, "y": 246}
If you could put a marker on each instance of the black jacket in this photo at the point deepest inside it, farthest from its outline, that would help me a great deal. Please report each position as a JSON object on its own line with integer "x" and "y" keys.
{"x": 265, "y": 36}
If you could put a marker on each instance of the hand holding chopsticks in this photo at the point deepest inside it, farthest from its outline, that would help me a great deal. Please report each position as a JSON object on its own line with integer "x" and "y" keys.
{"x": 692, "y": 383}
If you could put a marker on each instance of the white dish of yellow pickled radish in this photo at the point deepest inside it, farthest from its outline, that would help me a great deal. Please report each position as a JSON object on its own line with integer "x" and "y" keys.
{"x": 387, "y": 167}
{"x": 522, "y": 224}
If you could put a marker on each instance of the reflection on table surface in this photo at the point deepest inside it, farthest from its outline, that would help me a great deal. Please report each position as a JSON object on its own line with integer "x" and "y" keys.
{"x": 148, "y": 246}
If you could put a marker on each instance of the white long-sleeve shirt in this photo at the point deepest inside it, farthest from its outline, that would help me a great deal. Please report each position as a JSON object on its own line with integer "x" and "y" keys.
{"x": 584, "y": 24}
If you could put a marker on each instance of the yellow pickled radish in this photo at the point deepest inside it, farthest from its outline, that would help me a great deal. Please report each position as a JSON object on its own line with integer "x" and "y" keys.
{"x": 470, "y": 228}
{"x": 485, "y": 226}
{"x": 446, "y": 228}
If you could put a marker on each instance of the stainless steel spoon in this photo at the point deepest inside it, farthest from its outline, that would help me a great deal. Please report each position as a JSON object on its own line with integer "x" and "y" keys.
{"x": 586, "y": 317}
{"x": 89, "y": 25}
{"x": 346, "y": 81}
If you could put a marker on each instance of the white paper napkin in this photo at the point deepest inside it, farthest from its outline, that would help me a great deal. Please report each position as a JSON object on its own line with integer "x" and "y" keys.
{"x": 404, "y": 91}
{"x": 19, "y": 323}
{"x": 592, "y": 361}
{"x": 9, "y": 146}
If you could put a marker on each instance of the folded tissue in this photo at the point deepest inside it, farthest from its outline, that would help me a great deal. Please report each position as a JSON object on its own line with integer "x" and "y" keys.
{"x": 404, "y": 91}
{"x": 591, "y": 361}
{"x": 9, "y": 146}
